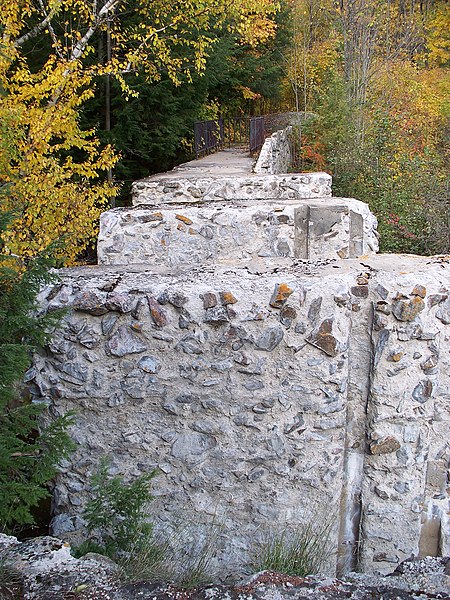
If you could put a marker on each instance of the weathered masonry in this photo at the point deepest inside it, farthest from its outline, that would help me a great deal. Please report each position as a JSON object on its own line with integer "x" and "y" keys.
{"x": 265, "y": 383}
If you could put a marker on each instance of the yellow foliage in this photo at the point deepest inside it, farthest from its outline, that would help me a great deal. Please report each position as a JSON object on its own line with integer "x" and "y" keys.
{"x": 439, "y": 35}
{"x": 417, "y": 99}
{"x": 52, "y": 194}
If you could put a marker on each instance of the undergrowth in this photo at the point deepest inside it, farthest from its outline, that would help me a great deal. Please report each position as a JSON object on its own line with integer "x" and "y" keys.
{"x": 300, "y": 550}
{"x": 117, "y": 519}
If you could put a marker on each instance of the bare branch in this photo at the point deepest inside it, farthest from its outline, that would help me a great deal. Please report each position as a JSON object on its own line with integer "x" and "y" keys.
{"x": 51, "y": 31}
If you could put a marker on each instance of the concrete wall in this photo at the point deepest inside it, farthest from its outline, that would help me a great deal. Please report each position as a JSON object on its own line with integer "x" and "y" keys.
{"x": 263, "y": 392}
{"x": 185, "y": 234}
{"x": 225, "y": 341}
{"x": 175, "y": 190}
{"x": 276, "y": 153}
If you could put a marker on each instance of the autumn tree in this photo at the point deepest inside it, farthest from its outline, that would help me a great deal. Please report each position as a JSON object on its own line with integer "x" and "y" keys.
{"x": 382, "y": 115}
{"x": 57, "y": 178}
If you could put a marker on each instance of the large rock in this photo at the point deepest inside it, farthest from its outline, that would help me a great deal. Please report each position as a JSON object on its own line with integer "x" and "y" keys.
{"x": 44, "y": 569}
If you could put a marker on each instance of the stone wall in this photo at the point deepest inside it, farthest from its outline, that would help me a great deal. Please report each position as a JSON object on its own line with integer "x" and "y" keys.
{"x": 174, "y": 190}
{"x": 267, "y": 393}
{"x": 276, "y": 153}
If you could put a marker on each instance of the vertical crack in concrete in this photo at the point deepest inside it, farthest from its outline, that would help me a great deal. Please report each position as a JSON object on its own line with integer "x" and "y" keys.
{"x": 360, "y": 361}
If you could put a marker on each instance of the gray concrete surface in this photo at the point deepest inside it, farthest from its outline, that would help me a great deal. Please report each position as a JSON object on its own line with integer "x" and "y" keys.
{"x": 231, "y": 162}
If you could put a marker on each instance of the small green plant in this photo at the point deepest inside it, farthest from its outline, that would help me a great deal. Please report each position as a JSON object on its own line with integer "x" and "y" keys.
{"x": 117, "y": 519}
{"x": 300, "y": 550}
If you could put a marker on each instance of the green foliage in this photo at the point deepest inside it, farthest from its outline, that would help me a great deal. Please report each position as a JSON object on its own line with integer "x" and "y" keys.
{"x": 28, "y": 457}
{"x": 21, "y": 328}
{"x": 296, "y": 551}
{"x": 117, "y": 518}
{"x": 152, "y": 129}
{"x": 116, "y": 513}
{"x": 28, "y": 461}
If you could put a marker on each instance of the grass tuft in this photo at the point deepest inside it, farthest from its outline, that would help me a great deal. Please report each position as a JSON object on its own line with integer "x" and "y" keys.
{"x": 300, "y": 551}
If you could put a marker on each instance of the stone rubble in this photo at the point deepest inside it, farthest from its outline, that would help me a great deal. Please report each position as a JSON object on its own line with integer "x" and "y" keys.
{"x": 44, "y": 569}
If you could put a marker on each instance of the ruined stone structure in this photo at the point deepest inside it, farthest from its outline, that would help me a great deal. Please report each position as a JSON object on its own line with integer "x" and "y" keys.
{"x": 235, "y": 337}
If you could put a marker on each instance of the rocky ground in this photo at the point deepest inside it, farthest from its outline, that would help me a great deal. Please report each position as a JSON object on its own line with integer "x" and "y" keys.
{"x": 44, "y": 569}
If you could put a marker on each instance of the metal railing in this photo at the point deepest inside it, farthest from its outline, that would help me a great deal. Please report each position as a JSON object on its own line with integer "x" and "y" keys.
{"x": 257, "y": 133}
{"x": 237, "y": 131}
{"x": 210, "y": 136}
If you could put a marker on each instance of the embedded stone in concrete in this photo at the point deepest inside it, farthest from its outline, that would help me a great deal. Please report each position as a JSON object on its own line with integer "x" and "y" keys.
{"x": 280, "y": 294}
{"x": 270, "y": 338}
{"x": 158, "y": 315}
{"x": 423, "y": 391}
{"x": 407, "y": 310}
{"x": 124, "y": 342}
{"x": 443, "y": 313}
{"x": 324, "y": 339}
{"x": 120, "y": 302}
{"x": 91, "y": 302}
{"x": 385, "y": 445}
{"x": 191, "y": 447}
{"x": 149, "y": 364}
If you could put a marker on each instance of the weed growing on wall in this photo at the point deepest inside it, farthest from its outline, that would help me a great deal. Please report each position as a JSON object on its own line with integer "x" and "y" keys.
{"x": 117, "y": 519}
{"x": 190, "y": 553}
{"x": 301, "y": 550}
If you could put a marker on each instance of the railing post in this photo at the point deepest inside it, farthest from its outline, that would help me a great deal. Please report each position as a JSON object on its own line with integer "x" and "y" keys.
{"x": 257, "y": 133}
